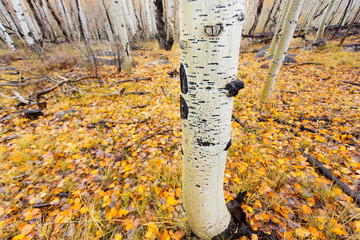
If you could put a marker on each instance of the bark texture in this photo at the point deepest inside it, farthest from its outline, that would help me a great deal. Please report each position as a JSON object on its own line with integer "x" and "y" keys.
{"x": 281, "y": 48}
{"x": 210, "y": 44}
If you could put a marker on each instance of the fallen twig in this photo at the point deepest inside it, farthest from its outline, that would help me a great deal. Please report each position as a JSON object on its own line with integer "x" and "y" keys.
{"x": 147, "y": 137}
{"x": 239, "y": 122}
{"x": 132, "y": 80}
{"x": 328, "y": 174}
{"x": 106, "y": 123}
{"x": 141, "y": 106}
{"x": 352, "y": 83}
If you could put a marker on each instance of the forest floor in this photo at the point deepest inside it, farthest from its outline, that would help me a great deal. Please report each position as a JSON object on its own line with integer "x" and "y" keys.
{"x": 103, "y": 159}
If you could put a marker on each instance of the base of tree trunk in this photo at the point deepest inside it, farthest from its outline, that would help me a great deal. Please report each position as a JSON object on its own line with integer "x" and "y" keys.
{"x": 238, "y": 226}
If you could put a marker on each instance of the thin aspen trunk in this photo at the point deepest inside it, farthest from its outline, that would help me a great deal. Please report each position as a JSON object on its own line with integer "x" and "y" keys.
{"x": 348, "y": 13}
{"x": 281, "y": 48}
{"x": 45, "y": 16}
{"x": 108, "y": 25}
{"x": 128, "y": 19}
{"x": 23, "y": 25}
{"x": 165, "y": 42}
{"x": 307, "y": 16}
{"x": 350, "y": 26}
{"x": 210, "y": 45}
{"x": 82, "y": 21}
{"x": 307, "y": 27}
{"x": 38, "y": 19}
{"x": 5, "y": 11}
{"x": 121, "y": 33}
{"x": 250, "y": 8}
{"x": 324, "y": 21}
{"x": 170, "y": 28}
{"x": 67, "y": 21}
{"x": 257, "y": 16}
{"x": 269, "y": 15}
{"x": 34, "y": 27}
{"x": 148, "y": 18}
{"x": 279, "y": 27}
{"x": 56, "y": 18}
{"x": 7, "y": 38}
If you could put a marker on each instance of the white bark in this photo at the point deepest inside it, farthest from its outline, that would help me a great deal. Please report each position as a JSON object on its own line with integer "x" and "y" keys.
{"x": 7, "y": 38}
{"x": 120, "y": 32}
{"x": 210, "y": 42}
{"x": 128, "y": 19}
{"x": 34, "y": 27}
{"x": 22, "y": 22}
{"x": 66, "y": 16}
{"x": 314, "y": 11}
{"x": 305, "y": 20}
{"x": 325, "y": 20}
{"x": 83, "y": 20}
{"x": 279, "y": 27}
{"x": 9, "y": 19}
{"x": 281, "y": 48}
{"x": 148, "y": 17}
{"x": 130, "y": 6}
{"x": 170, "y": 6}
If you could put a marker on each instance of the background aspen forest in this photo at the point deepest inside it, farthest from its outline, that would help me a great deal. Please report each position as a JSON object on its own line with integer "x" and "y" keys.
{"x": 90, "y": 127}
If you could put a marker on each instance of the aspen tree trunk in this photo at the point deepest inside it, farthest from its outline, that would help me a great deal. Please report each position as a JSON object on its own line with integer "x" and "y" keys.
{"x": 34, "y": 27}
{"x": 68, "y": 22}
{"x": 130, "y": 6}
{"x": 23, "y": 25}
{"x": 128, "y": 18}
{"x": 257, "y": 16}
{"x": 56, "y": 18}
{"x": 307, "y": 16}
{"x": 279, "y": 27}
{"x": 7, "y": 38}
{"x": 170, "y": 28}
{"x": 121, "y": 33}
{"x": 281, "y": 48}
{"x": 165, "y": 42}
{"x": 5, "y": 11}
{"x": 350, "y": 26}
{"x": 307, "y": 27}
{"x": 324, "y": 20}
{"x": 82, "y": 21}
{"x": 250, "y": 8}
{"x": 148, "y": 18}
{"x": 210, "y": 44}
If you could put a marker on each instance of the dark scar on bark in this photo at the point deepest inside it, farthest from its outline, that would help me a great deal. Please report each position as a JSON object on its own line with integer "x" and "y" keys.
{"x": 228, "y": 145}
{"x": 213, "y": 30}
{"x": 183, "y": 80}
{"x": 184, "y": 109}
{"x": 234, "y": 87}
{"x": 182, "y": 151}
{"x": 204, "y": 144}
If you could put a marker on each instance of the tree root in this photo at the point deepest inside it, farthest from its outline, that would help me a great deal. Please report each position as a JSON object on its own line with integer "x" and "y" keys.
{"x": 238, "y": 226}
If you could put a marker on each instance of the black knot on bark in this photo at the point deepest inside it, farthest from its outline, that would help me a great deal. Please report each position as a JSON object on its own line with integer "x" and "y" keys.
{"x": 234, "y": 87}
{"x": 241, "y": 17}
